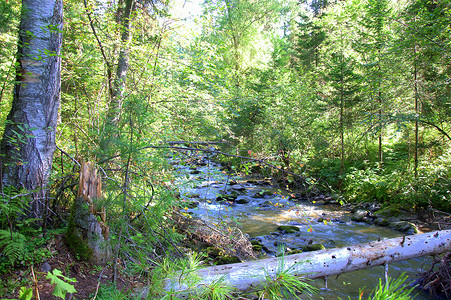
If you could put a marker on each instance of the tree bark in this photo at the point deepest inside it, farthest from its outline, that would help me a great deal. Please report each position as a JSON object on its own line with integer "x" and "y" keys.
{"x": 417, "y": 109}
{"x": 28, "y": 142}
{"x": 115, "y": 106}
{"x": 249, "y": 276}
{"x": 119, "y": 84}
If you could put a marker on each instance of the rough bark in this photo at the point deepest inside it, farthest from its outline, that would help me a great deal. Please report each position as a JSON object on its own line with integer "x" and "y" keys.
{"x": 87, "y": 233}
{"x": 28, "y": 142}
{"x": 249, "y": 275}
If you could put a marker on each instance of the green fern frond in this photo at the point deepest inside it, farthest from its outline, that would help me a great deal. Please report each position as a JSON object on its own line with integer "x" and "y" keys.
{"x": 13, "y": 203}
{"x": 12, "y": 245}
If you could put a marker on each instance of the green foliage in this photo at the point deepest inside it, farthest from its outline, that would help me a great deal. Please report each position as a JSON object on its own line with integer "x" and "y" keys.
{"x": 110, "y": 292}
{"x": 13, "y": 204}
{"x": 217, "y": 290}
{"x": 367, "y": 184}
{"x": 285, "y": 285}
{"x": 12, "y": 245}
{"x": 25, "y": 293}
{"x": 20, "y": 242}
{"x": 184, "y": 269}
{"x": 432, "y": 186}
{"x": 9, "y": 19}
{"x": 62, "y": 283}
{"x": 393, "y": 289}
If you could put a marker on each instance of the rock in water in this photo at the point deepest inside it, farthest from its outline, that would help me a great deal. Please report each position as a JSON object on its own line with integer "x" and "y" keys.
{"x": 238, "y": 187}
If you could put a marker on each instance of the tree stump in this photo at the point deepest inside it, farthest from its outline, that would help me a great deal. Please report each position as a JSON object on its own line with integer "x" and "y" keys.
{"x": 87, "y": 233}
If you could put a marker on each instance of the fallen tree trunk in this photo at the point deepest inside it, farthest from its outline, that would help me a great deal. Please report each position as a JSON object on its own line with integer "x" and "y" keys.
{"x": 248, "y": 276}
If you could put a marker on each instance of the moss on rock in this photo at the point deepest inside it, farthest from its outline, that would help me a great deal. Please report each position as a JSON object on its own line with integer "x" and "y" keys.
{"x": 288, "y": 228}
{"x": 85, "y": 236}
{"x": 313, "y": 247}
{"x": 74, "y": 238}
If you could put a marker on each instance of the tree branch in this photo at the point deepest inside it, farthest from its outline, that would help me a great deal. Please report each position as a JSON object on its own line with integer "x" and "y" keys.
{"x": 436, "y": 127}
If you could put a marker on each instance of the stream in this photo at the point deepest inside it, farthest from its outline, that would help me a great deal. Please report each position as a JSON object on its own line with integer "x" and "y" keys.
{"x": 258, "y": 208}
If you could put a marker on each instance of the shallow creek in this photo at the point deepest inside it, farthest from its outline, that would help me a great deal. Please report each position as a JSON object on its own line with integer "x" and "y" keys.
{"x": 259, "y": 216}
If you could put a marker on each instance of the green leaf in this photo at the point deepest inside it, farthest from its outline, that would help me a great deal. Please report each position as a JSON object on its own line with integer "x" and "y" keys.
{"x": 61, "y": 286}
{"x": 25, "y": 293}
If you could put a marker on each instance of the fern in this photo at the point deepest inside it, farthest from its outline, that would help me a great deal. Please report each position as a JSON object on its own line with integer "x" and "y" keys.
{"x": 12, "y": 245}
{"x": 13, "y": 203}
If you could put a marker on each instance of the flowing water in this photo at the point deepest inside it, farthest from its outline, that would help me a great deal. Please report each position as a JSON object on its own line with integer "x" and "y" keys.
{"x": 259, "y": 216}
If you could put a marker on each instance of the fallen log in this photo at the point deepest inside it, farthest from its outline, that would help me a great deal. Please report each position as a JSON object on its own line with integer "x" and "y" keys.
{"x": 248, "y": 276}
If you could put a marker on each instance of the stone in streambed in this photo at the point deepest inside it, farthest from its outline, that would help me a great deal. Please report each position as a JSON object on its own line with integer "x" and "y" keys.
{"x": 242, "y": 201}
{"x": 288, "y": 228}
{"x": 262, "y": 194}
{"x": 256, "y": 246}
{"x": 360, "y": 215}
{"x": 404, "y": 226}
{"x": 229, "y": 197}
{"x": 381, "y": 222}
{"x": 238, "y": 187}
{"x": 313, "y": 247}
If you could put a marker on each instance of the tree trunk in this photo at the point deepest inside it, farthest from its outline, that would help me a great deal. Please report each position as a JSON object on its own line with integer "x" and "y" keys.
{"x": 249, "y": 275}
{"x": 87, "y": 232}
{"x": 417, "y": 109}
{"x": 117, "y": 91}
{"x": 29, "y": 139}
{"x": 115, "y": 106}
{"x": 342, "y": 134}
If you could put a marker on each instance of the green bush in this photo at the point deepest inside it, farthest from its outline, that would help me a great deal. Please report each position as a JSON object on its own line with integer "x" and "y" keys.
{"x": 367, "y": 185}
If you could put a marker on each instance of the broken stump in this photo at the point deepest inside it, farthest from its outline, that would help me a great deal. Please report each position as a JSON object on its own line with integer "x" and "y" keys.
{"x": 87, "y": 232}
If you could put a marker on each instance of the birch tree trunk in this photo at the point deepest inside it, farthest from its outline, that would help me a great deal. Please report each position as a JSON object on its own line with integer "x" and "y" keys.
{"x": 248, "y": 276}
{"x": 28, "y": 142}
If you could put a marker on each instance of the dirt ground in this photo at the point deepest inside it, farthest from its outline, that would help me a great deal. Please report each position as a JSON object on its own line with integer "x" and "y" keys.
{"x": 88, "y": 277}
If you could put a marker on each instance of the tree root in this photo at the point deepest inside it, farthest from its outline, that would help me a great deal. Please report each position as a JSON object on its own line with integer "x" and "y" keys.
{"x": 437, "y": 281}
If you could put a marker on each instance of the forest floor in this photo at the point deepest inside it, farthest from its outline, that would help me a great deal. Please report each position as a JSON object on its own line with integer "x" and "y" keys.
{"x": 89, "y": 277}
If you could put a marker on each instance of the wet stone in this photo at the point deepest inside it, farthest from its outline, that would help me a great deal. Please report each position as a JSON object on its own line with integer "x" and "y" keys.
{"x": 230, "y": 197}
{"x": 313, "y": 247}
{"x": 262, "y": 194}
{"x": 381, "y": 222}
{"x": 404, "y": 226}
{"x": 242, "y": 201}
{"x": 238, "y": 187}
{"x": 360, "y": 215}
{"x": 256, "y": 246}
{"x": 288, "y": 228}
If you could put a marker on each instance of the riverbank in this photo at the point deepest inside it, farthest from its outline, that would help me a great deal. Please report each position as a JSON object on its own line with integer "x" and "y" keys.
{"x": 94, "y": 282}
